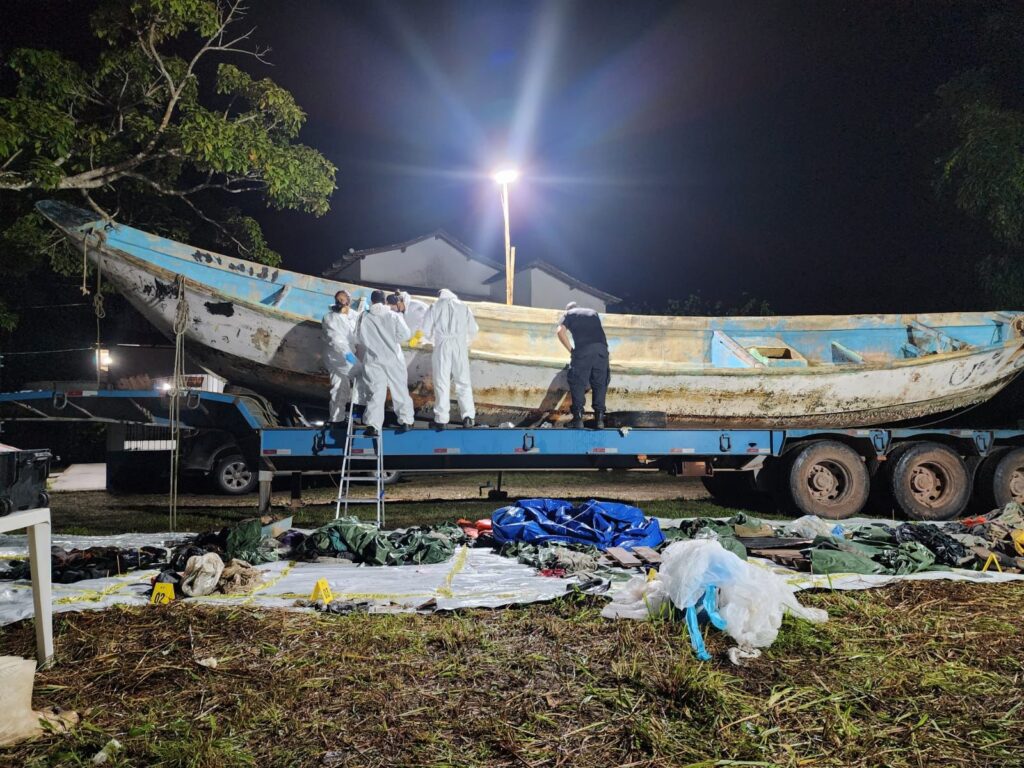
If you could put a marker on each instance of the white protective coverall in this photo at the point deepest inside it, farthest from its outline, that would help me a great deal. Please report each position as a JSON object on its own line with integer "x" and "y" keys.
{"x": 451, "y": 325}
{"x": 380, "y": 332}
{"x": 338, "y": 332}
{"x": 415, "y": 312}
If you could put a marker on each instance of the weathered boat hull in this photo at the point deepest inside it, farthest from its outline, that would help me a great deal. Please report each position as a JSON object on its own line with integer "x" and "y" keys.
{"x": 260, "y": 328}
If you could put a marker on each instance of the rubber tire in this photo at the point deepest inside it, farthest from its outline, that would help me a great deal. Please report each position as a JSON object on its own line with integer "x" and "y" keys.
{"x": 43, "y": 500}
{"x": 951, "y": 464}
{"x": 221, "y": 482}
{"x": 795, "y": 496}
{"x": 992, "y": 482}
{"x": 732, "y": 489}
{"x": 6, "y": 507}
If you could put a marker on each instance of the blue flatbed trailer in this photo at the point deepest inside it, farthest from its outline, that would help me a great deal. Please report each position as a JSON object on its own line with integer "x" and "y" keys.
{"x": 929, "y": 473}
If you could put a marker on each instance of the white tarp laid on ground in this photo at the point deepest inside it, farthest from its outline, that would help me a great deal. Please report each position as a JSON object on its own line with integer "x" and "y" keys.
{"x": 472, "y": 578}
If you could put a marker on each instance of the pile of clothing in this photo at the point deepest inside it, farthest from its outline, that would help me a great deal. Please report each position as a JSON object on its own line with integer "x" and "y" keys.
{"x": 827, "y": 546}
{"x": 351, "y": 539}
{"x": 207, "y": 573}
{"x": 70, "y": 565}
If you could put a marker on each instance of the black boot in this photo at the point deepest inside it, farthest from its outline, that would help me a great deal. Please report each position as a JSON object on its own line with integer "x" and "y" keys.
{"x": 371, "y": 432}
{"x": 468, "y": 423}
{"x": 437, "y": 426}
{"x": 598, "y": 419}
{"x": 577, "y": 421}
{"x": 402, "y": 428}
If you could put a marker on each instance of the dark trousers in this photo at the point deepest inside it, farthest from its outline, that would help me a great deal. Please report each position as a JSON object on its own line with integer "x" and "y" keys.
{"x": 589, "y": 367}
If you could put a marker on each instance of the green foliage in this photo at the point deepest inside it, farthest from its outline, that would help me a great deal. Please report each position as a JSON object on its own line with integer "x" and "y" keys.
{"x": 980, "y": 121}
{"x": 135, "y": 120}
{"x": 984, "y": 171}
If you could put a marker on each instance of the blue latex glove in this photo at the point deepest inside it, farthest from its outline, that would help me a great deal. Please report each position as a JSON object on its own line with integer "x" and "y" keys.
{"x": 350, "y": 358}
{"x": 711, "y": 606}
{"x": 696, "y": 638}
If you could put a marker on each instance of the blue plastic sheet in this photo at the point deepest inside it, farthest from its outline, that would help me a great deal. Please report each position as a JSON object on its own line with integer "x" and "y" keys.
{"x": 601, "y": 524}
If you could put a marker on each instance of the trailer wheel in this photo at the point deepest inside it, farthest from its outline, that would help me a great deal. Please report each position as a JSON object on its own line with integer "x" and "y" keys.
{"x": 233, "y": 476}
{"x": 1000, "y": 478}
{"x": 733, "y": 489}
{"x": 825, "y": 478}
{"x": 929, "y": 481}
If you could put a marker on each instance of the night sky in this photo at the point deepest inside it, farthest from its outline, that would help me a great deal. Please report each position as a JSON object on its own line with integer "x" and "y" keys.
{"x": 772, "y": 148}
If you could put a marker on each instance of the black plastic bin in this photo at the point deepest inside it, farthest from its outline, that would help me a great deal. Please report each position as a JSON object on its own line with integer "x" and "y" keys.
{"x": 23, "y": 480}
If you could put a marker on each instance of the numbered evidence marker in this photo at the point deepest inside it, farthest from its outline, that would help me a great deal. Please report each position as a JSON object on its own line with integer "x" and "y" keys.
{"x": 163, "y": 593}
{"x": 322, "y": 591}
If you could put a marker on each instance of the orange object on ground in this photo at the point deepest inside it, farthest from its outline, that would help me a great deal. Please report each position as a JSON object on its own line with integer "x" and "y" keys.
{"x": 483, "y": 524}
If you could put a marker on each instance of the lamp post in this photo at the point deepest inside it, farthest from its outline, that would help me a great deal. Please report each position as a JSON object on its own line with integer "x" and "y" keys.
{"x": 504, "y": 178}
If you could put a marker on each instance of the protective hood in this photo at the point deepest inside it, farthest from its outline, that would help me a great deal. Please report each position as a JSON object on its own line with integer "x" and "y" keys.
{"x": 444, "y": 293}
{"x": 379, "y": 309}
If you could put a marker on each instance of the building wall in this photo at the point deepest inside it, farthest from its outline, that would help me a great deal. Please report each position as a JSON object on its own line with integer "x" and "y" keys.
{"x": 550, "y": 292}
{"x": 522, "y": 290}
{"x": 432, "y": 264}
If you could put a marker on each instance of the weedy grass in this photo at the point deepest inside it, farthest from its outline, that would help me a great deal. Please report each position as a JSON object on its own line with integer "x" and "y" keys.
{"x": 915, "y": 674}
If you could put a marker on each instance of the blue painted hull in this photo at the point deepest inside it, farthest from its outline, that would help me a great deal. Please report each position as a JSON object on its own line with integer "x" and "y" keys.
{"x": 260, "y": 327}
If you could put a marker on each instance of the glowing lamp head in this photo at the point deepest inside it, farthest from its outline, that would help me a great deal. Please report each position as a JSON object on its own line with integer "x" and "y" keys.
{"x": 506, "y": 175}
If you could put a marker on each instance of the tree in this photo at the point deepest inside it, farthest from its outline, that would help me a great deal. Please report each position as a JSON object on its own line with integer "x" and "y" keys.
{"x": 980, "y": 117}
{"x": 159, "y": 131}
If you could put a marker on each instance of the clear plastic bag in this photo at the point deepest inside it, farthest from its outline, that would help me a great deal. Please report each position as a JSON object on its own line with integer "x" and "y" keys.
{"x": 752, "y": 600}
{"x": 639, "y": 599}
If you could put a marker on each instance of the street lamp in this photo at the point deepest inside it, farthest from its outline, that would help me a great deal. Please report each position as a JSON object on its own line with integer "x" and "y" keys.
{"x": 505, "y": 177}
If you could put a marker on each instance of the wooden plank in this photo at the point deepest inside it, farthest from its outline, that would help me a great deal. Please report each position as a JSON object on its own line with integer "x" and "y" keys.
{"x": 647, "y": 554}
{"x": 622, "y": 557}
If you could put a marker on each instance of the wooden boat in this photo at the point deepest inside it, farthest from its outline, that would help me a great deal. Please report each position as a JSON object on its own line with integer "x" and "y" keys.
{"x": 259, "y": 327}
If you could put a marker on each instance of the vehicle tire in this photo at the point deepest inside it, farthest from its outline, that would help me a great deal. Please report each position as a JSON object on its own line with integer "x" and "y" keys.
{"x": 929, "y": 481}
{"x": 233, "y": 476}
{"x": 6, "y": 507}
{"x": 825, "y": 478}
{"x": 43, "y": 500}
{"x": 732, "y": 489}
{"x": 1000, "y": 479}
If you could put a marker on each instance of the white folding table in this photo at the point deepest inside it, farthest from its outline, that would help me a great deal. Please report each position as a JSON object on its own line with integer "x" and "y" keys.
{"x": 37, "y": 521}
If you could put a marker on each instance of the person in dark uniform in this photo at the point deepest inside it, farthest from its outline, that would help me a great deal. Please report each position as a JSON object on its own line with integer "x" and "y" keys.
{"x": 588, "y": 364}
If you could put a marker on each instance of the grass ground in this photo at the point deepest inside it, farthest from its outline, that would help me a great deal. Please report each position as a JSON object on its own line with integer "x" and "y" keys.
{"x": 916, "y": 674}
{"x": 419, "y": 499}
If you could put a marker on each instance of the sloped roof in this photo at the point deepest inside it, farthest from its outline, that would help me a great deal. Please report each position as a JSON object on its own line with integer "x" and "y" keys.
{"x": 565, "y": 277}
{"x": 437, "y": 234}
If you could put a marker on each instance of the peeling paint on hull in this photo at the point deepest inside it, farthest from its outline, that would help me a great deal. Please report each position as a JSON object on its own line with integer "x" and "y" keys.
{"x": 260, "y": 328}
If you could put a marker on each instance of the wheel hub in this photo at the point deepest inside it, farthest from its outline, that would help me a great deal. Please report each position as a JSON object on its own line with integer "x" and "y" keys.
{"x": 825, "y": 482}
{"x": 236, "y": 475}
{"x": 1017, "y": 484}
{"x": 927, "y": 484}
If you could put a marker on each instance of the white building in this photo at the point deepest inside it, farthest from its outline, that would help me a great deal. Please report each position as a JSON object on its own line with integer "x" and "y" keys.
{"x": 431, "y": 262}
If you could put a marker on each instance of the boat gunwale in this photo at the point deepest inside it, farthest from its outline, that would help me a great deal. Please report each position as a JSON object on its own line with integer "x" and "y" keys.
{"x": 616, "y": 367}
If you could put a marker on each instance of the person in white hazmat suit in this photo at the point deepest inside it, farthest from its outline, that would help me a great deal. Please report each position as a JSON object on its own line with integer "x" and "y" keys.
{"x": 339, "y": 355}
{"x": 413, "y": 310}
{"x": 380, "y": 333}
{"x": 451, "y": 326}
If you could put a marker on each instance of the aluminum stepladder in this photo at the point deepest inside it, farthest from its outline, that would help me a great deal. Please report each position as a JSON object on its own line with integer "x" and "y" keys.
{"x": 345, "y": 481}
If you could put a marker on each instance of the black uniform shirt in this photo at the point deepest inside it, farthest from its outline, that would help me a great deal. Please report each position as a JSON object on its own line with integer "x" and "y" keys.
{"x": 585, "y": 326}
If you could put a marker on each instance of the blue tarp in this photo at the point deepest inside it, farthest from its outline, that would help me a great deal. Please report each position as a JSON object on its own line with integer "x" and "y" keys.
{"x": 601, "y": 524}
